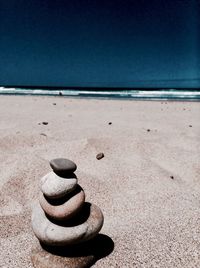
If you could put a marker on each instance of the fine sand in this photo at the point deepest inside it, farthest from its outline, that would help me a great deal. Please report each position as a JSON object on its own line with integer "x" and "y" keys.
{"x": 147, "y": 185}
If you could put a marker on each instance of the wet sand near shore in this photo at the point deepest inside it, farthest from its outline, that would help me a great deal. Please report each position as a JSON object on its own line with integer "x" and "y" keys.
{"x": 147, "y": 184}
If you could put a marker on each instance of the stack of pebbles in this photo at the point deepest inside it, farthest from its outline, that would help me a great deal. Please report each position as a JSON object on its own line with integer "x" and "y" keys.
{"x": 62, "y": 217}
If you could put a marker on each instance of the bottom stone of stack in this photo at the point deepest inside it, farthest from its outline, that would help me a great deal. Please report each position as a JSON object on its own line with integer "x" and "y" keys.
{"x": 44, "y": 259}
{"x": 82, "y": 227}
{"x": 81, "y": 255}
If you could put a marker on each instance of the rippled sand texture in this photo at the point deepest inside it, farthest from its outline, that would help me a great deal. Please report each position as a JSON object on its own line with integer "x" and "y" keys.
{"x": 147, "y": 185}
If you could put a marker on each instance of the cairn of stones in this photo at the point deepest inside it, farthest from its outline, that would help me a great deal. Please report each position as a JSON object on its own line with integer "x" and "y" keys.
{"x": 62, "y": 217}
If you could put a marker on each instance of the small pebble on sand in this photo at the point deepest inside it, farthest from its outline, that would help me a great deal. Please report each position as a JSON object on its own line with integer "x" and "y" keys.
{"x": 110, "y": 123}
{"x": 148, "y": 130}
{"x": 45, "y": 123}
{"x": 190, "y": 125}
{"x": 43, "y": 134}
{"x": 172, "y": 177}
{"x": 99, "y": 156}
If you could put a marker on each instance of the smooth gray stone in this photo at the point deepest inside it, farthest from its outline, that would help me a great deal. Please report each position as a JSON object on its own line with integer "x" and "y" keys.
{"x": 63, "y": 208}
{"x": 63, "y": 165}
{"x": 81, "y": 228}
{"x": 54, "y": 186}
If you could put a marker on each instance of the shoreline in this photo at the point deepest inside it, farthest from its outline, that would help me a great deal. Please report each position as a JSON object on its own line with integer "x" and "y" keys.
{"x": 186, "y": 95}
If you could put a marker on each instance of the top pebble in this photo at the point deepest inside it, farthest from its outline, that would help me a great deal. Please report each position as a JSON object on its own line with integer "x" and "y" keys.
{"x": 62, "y": 165}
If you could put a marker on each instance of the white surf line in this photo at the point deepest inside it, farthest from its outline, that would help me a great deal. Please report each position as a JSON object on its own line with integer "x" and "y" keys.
{"x": 171, "y": 93}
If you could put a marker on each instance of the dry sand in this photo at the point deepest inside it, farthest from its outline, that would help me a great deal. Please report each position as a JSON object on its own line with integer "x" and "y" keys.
{"x": 153, "y": 218}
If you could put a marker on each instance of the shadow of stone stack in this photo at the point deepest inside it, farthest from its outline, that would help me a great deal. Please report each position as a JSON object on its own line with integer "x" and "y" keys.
{"x": 62, "y": 218}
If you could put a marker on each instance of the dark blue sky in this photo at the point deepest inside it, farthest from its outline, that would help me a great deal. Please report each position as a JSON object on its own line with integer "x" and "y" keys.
{"x": 138, "y": 43}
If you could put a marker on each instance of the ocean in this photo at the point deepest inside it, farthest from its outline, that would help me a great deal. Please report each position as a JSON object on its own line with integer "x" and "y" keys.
{"x": 156, "y": 94}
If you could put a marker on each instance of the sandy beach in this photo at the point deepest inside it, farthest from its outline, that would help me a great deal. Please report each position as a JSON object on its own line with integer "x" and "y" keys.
{"x": 147, "y": 185}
